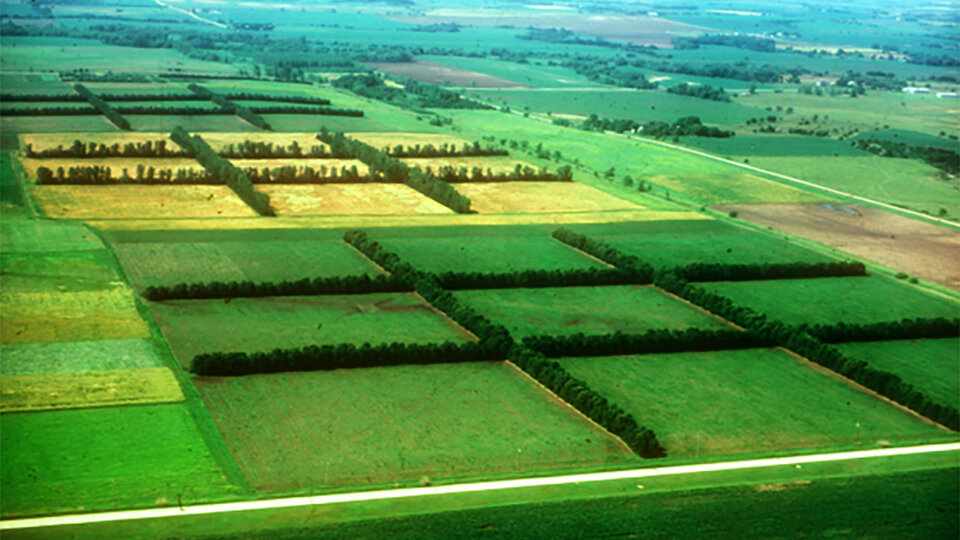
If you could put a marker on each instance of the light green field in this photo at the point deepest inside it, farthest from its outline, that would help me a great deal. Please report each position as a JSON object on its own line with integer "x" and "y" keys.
{"x": 539, "y": 76}
{"x": 52, "y": 271}
{"x": 591, "y": 310}
{"x": 192, "y": 123}
{"x": 105, "y": 459}
{"x": 78, "y": 356}
{"x": 31, "y": 236}
{"x": 192, "y": 327}
{"x": 772, "y": 145}
{"x": 931, "y": 365}
{"x": 852, "y": 300}
{"x": 750, "y": 400}
{"x": 55, "y": 124}
{"x": 913, "y": 138}
{"x": 399, "y": 424}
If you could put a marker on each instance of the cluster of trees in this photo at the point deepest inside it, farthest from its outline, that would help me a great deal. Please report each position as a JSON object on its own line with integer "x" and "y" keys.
{"x": 229, "y": 106}
{"x": 414, "y": 94}
{"x": 102, "y": 106}
{"x": 291, "y": 174}
{"x": 688, "y": 126}
{"x": 533, "y": 278}
{"x": 80, "y": 149}
{"x": 754, "y": 272}
{"x": 654, "y": 341}
{"x": 567, "y": 37}
{"x": 102, "y": 175}
{"x": 225, "y": 171}
{"x": 941, "y": 158}
{"x": 343, "y": 356}
{"x": 700, "y": 91}
{"x": 520, "y": 173}
{"x": 392, "y": 169}
{"x": 905, "y": 329}
{"x": 267, "y": 150}
{"x": 738, "y": 41}
{"x": 362, "y": 284}
{"x": 640, "y": 271}
{"x": 444, "y": 150}
{"x": 436, "y": 28}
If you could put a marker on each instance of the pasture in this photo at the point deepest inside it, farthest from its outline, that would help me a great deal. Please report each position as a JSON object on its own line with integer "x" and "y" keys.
{"x": 78, "y": 356}
{"x": 192, "y": 327}
{"x": 34, "y": 236}
{"x": 101, "y": 388}
{"x": 56, "y": 124}
{"x": 751, "y": 400}
{"x": 591, "y": 310}
{"x": 398, "y": 424}
{"x": 57, "y": 271}
{"x": 539, "y": 197}
{"x": 137, "y": 201}
{"x": 852, "y": 300}
{"x": 349, "y": 199}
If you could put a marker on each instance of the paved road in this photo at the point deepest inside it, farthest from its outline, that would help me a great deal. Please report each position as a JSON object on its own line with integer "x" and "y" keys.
{"x": 153, "y": 513}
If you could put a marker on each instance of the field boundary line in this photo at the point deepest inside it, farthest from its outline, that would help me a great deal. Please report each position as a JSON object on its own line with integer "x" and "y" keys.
{"x": 167, "y": 512}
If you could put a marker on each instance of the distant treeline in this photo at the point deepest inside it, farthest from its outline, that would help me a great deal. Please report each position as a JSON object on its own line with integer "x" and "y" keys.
{"x": 700, "y": 91}
{"x": 567, "y": 37}
{"x": 225, "y": 171}
{"x": 579, "y": 277}
{"x": 946, "y": 160}
{"x": 51, "y": 111}
{"x": 414, "y": 94}
{"x": 242, "y": 112}
{"x": 762, "y": 271}
{"x": 291, "y": 174}
{"x": 520, "y": 173}
{"x": 80, "y": 149}
{"x": 250, "y": 96}
{"x": 102, "y": 106}
{"x": 362, "y": 284}
{"x": 688, "y": 126}
{"x": 391, "y": 169}
{"x": 654, "y": 341}
{"x": 726, "y": 40}
{"x": 40, "y": 97}
{"x": 101, "y": 175}
{"x": 252, "y": 149}
{"x": 444, "y": 150}
{"x": 905, "y": 329}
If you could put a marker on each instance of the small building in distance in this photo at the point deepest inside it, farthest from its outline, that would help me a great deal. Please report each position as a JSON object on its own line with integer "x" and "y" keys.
{"x": 916, "y": 90}
{"x": 946, "y": 94}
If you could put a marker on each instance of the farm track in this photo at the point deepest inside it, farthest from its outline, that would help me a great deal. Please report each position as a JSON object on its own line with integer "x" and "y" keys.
{"x": 191, "y": 14}
{"x": 291, "y": 502}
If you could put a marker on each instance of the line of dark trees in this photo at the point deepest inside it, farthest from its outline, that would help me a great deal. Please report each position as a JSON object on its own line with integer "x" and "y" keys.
{"x": 225, "y": 171}
{"x": 906, "y": 329}
{"x": 392, "y": 169}
{"x": 241, "y": 111}
{"x": 165, "y": 110}
{"x": 291, "y": 174}
{"x": 79, "y": 149}
{"x": 414, "y": 94}
{"x": 51, "y": 111}
{"x": 295, "y": 109}
{"x": 102, "y": 106}
{"x": 941, "y": 158}
{"x": 534, "y": 279}
{"x": 362, "y": 284}
{"x": 654, "y": 341}
{"x": 444, "y": 150}
{"x": 752, "y": 43}
{"x": 689, "y": 126}
{"x": 642, "y": 272}
{"x": 267, "y": 150}
{"x": 285, "y": 98}
{"x": 520, "y": 173}
{"x": 102, "y": 175}
{"x": 700, "y": 91}
{"x": 41, "y": 97}
{"x": 152, "y": 97}
{"x": 754, "y": 272}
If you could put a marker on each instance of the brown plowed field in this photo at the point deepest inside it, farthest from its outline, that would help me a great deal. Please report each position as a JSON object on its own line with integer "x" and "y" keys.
{"x": 433, "y": 73}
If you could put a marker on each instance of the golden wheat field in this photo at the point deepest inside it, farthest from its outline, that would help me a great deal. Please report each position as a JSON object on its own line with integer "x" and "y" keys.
{"x": 349, "y": 199}
{"x": 140, "y": 202}
{"x": 21, "y": 393}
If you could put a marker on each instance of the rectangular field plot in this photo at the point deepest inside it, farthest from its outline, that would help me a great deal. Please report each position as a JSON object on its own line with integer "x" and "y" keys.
{"x": 733, "y": 187}
{"x": 191, "y": 123}
{"x": 666, "y": 244}
{"x": 21, "y": 393}
{"x": 725, "y": 402}
{"x": 591, "y": 310}
{"x": 117, "y": 164}
{"x": 192, "y": 327}
{"x": 510, "y": 197}
{"x": 393, "y": 138}
{"x": 495, "y": 164}
{"x": 47, "y": 141}
{"x": 930, "y": 365}
{"x": 316, "y": 164}
{"x": 37, "y": 236}
{"x": 164, "y": 263}
{"x": 131, "y": 456}
{"x": 139, "y": 202}
{"x": 349, "y": 199}
{"x": 55, "y": 124}
{"x": 402, "y": 423}
{"x": 77, "y": 356}
{"x": 219, "y": 140}
{"x": 57, "y": 271}
{"x": 852, "y": 300}
{"x": 32, "y": 317}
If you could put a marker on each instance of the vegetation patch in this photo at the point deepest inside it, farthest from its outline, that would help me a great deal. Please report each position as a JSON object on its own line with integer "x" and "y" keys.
{"x": 35, "y": 236}
{"x": 78, "y": 356}
{"x": 508, "y": 197}
{"x": 138, "y": 202}
{"x": 101, "y": 388}
{"x": 349, "y": 199}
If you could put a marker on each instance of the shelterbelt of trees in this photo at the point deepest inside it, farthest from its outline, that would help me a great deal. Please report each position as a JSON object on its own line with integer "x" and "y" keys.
{"x": 414, "y": 94}
{"x": 688, "y": 126}
{"x": 226, "y": 104}
{"x": 105, "y": 109}
{"x": 946, "y": 160}
{"x": 143, "y": 174}
{"x": 80, "y": 149}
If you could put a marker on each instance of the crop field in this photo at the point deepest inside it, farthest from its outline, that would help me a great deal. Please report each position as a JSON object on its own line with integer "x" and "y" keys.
{"x": 192, "y": 327}
{"x": 786, "y": 145}
{"x": 853, "y": 300}
{"x": 314, "y": 163}
{"x": 191, "y": 123}
{"x": 219, "y": 139}
{"x": 906, "y": 136}
{"x": 31, "y": 317}
{"x": 539, "y": 76}
{"x": 534, "y": 197}
{"x": 169, "y": 263}
{"x": 349, "y": 199}
{"x": 591, "y": 310}
{"x": 22, "y": 236}
{"x": 72, "y": 270}
{"x": 725, "y": 402}
{"x": 133, "y": 201}
{"x": 931, "y": 365}
{"x": 393, "y": 138}
{"x": 402, "y": 423}
{"x": 433, "y": 73}
{"x": 131, "y": 456}
{"x": 496, "y": 164}
{"x": 734, "y": 187}
{"x": 55, "y": 124}
{"x": 117, "y": 164}
{"x": 103, "y": 388}
{"x": 78, "y": 356}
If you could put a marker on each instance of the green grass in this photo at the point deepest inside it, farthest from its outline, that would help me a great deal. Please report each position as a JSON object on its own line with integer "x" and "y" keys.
{"x": 52, "y": 271}
{"x": 191, "y": 123}
{"x": 538, "y": 76}
{"x": 378, "y": 425}
{"x": 741, "y": 401}
{"x": 591, "y": 310}
{"x": 852, "y": 300}
{"x": 104, "y": 459}
{"x": 192, "y": 327}
{"x": 772, "y": 145}
{"x": 10, "y": 193}
{"x": 78, "y": 356}
{"x": 55, "y": 124}
{"x": 913, "y": 138}
{"x": 931, "y": 365}
{"x": 29, "y": 236}
{"x": 170, "y": 263}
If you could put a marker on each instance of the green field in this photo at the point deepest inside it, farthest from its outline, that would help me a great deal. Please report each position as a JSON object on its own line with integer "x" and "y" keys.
{"x": 389, "y": 424}
{"x": 55, "y": 124}
{"x": 192, "y": 123}
{"x": 852, "y": 300}
{"x": 772, "y": 145}
{"x": 931, "y": 365}
{"x": 591, "y": 310}
{"x": 57, "y": 271}
{"x": 10, "y": 193}
{"x": 192, "y": 327}
{"x": 170, "y": 263}
{"x": 22, "y": 236}
{"x": 751, "y": 400}
{"x": 913, "y": 138}
{"x": 78, "y": 356}
{"x": 105, "y": 459}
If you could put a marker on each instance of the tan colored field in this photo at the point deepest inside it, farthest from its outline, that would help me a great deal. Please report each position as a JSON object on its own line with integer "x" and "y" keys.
{"x": 433, "y": 73}
{"x": 132, "y": 201}
{"x": 497, "y": 164}
{"x": 313, "y": 163}
{"x": 117, "y": 165}
{"x": 349, "y": 199}
{"x": 507, "y": 197}
{"x": 391, "y": 139}
{"x": 33, "y": 317}
{"x": 90, "y": 389}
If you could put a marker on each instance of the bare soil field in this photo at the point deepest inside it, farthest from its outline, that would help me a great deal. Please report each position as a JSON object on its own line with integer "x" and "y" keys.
{"x": 506, "y": 197}
{"x": 349, "y": 199}
{"x": 915, "y": 247}
{"x": 430, "y": 72}
{"x": 132, "y": 201}
{"x": 117, "y": 165}
{"x": 50, "y": 391}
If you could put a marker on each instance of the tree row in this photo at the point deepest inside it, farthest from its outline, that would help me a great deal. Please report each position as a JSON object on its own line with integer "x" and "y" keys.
{"x": 444, "y": 150}
{"x": 79, "y": 149}
{"x": 654, "y": 341}
{"x": 103, "y": 175}
{"x": 520, "y": 173}
{"x": 639, "y": 270}
{"x": 762, "y": 271}
{"x": 906, "y": 329}
{"x": 578, "y": 277}
{"x": 362, "y": 284}
{"x": 226, "y": 104}
{"x": 102, "y": 106}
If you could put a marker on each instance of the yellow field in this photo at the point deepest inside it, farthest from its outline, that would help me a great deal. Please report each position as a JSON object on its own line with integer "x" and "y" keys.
{"x": 349, "y": 199}
{"x": 135, "y": 201}
{"x": 117, "y": 165}
{"x": 90, "y": 389}
{"x": 497, "y": 164}
{"x": 733, "y": 189}
{"x": 34, "y": 317}
{"x": 218, "y": 140}
{"x": 391, "y": 139}
{"x": 314, "y": 163}
{"x": 535, "y": 197}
